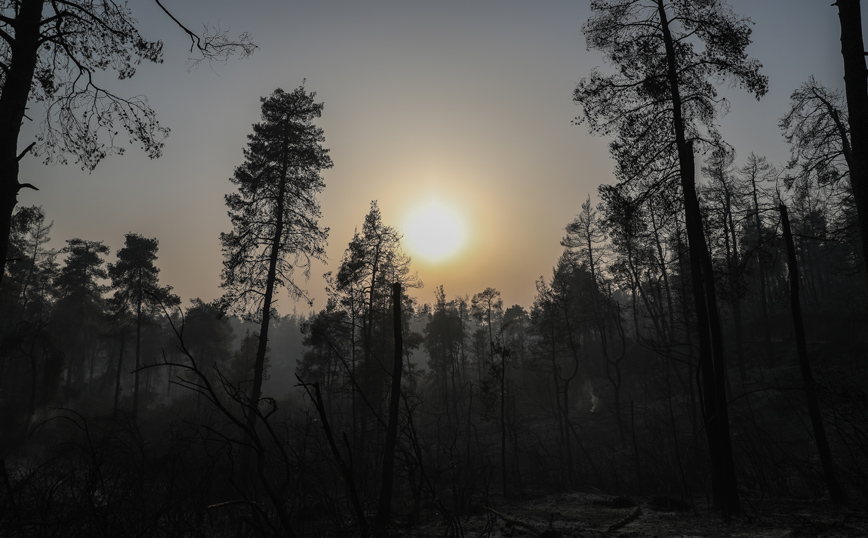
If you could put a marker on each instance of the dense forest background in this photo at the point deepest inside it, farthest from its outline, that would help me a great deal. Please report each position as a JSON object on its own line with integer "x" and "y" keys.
{"x": 701, "y": 339}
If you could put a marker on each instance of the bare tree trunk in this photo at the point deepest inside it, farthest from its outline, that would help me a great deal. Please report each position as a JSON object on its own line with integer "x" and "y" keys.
{"x": 734, "y": 281}
{"x": 502, "y": 418}
{"x": 346, "y": 470}
{"x": 354, "y": 386}
{"x": 724, "y": 487}
{"x": 371, "y": 375}
{"x": 385, "y": 506}
{"x": 856, "y": 85}
{"x": 138, "y": 358}
{"x": 770, "y": 355}
{"x": 670, "y": 326}
{"x": 636, "y": 459}
{"x": 691, "y": 387}
{"x": 516, "y": 458}
{"x": 835, "y": 489}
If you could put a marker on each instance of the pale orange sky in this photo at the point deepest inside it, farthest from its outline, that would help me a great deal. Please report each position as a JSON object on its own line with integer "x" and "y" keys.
{"x": 466, "y": 102}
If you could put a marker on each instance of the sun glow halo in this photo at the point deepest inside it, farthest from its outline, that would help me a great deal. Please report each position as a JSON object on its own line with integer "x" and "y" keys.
{"x": 434, "y": 232}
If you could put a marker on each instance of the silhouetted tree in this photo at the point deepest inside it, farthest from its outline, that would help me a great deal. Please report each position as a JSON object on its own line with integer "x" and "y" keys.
{"x": 626, "y": 226}
{"x": 444, "y": 339}
{"x": 816, "y": 127}
{"x": 371, "y": 264}
{"x": 208, "y": 336}
{"x": 726, "y": 196}
{"x": 817, "y": 130}
{"x": 856, "y": 89}
{"x": 757, "y": 172}
{"x": 33, "y": 268}
{"x": 327, "y": 336}
{"x": 275, "y": 213}
{"x": 52, "y": 52}
{"x": 136, "y": 284}
{"x": 487, "y": 308}
{"x": 384, "y": 507}
{"x": 31, "y": 365}
{"x": 658, "y": 104}
{"x": 585, "y": 249}
{"x": 79, "y": 314}
{"x": 819, "y": 429}
{"x": 83, "y": 266}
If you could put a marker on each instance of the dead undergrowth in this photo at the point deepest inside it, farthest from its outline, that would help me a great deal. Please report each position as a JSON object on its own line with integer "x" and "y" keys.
{"x": 590, "y": 515}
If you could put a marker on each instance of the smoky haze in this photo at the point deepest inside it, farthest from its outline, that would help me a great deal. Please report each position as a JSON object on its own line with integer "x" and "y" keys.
{"x": 549, "y": 269}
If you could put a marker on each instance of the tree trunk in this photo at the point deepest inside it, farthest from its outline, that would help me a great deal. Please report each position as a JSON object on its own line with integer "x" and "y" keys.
{"x": 724, "y": 488}
{"x": 770, "y": 355}
{"x": 13, "y": 102}
{"x": 616, "y": 378}
{"x": 502, "y": 417}
{"x": 566, "y": 437}
{"x": 138, "y": 359}
{"x": 371, "y": 376}
{"x": 600, "y": 322}
{"x": 385, "y": 507}
{"x": 835, "y": 490}
{"x": 262, "y": 347}
{"x": 566, "y": 411}
{"x": 557, "y": 405}
{"x": 345, "y": 469}
{"x": 670, "y": 326}
{"x": 685, "y": 314}
{"x": 856, "y": 85}
{"x": 735, "y": 285}
{"x": 636, "y": 459}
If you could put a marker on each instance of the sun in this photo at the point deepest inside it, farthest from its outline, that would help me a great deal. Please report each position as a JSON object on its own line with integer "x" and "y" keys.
{"x": 434, "y": 232}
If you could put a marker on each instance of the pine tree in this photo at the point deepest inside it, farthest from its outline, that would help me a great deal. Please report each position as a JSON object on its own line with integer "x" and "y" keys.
{"x": 136, "y": 283}
{"x": 660, "y": 103}
{"x": 275, "y": 215}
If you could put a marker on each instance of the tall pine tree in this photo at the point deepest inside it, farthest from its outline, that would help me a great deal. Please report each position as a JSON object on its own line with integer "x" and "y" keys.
{"x": 275, "y": 214}
{"x": 661, "y": 103}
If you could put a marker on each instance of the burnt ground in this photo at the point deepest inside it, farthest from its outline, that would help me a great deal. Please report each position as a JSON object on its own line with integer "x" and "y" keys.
{"x": 594, "y": 515}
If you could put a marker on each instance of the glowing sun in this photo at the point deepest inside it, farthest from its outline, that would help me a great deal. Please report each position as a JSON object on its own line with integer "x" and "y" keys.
{"x": 434, "y": 232}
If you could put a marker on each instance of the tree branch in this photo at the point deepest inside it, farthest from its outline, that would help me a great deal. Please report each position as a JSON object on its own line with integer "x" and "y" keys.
{"x": 23, "y": 153}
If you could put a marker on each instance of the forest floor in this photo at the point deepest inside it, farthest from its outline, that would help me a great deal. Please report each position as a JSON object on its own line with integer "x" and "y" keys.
{"x": 592, "y": 515}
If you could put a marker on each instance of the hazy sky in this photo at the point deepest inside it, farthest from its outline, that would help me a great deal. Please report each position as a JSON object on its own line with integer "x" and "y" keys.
{"x": 469, "y": 103}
